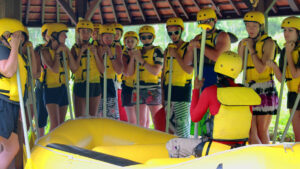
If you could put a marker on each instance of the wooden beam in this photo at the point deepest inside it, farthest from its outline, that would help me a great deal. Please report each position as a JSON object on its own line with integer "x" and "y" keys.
{"x": 80, "y": 8}
{"x": 173, "y": 9}
{"x": 184, "y": 11}
{"x": 100, "y": 13}
{"x": 57, "y": 13}
{"x": 155, "y": 10}
{"x": 43, "y": 11}
{"x": 27, "y": 12}
{"x": 141, "y": 10}
{"x": 196, "y": 4}
{"x": 127, "y": 11}
{"x": 91, "y": 11}
{"x": 217, "y": 9}
{"x": 68, "y": 10}
{"x": 293, "y": 5}
{"x": 235, "y": 8}
{"x": 114, "y": 10}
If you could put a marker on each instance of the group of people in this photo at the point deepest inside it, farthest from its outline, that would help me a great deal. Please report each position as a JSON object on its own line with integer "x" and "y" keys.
{"x": 98, "y": 57}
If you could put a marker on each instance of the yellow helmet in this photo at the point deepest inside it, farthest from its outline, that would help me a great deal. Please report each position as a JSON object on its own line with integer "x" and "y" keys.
{"x": 229, "y": 63}
{"x": 56, "y": 28}
{"x": 147, "y": 29}
{"x": 84, "y": 24}
{"x": 131, "y": 34}
{"x": 118, "y": 26}
{"x": 205, "y": 14}
{"x": 96, "y": 25}
{"x": 255, "y": 16}
{"x": 107, "y": 29}
{"x": 175, "y": 22}
{"x": 10, "y": 25}
{"x": 292, "y": 22}
{"x": 45, "y": 28}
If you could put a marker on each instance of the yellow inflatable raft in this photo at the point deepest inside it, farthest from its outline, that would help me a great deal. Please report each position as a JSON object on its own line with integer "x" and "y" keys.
{"x": 106, "y": 143}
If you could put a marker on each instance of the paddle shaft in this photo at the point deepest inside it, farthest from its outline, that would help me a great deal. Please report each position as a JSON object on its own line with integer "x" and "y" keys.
{"x": 87, "y": 89}
{"x": 169, "y": 94}
{"x": 138, "y": 92}
{"x": 201, "y": 65}
{"x": 32, "y": 98}
{"x": 280, "y": 99}
{"x": 245, "y": 65}
{"x": 105, "y": 86}
{"x": 67, "y": 85}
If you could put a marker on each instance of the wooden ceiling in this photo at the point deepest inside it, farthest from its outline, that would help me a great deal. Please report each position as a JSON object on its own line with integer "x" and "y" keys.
{"x": 133, "y": 12}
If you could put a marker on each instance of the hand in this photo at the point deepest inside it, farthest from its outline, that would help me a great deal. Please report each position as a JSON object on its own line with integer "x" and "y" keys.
{"x": 173, "y": 52}
{"x": 15, "y": 40}
{"x": 198, "y": 83}
{"x": 93, "y": 49}
{"x": 271, "y": 63}
{"x": 83, "y": 48}
{"x": 137, "y": 55}
{"x": 61, "y": 48}
{"x": 289, "y": 46}
{"x": 195, "y": 43}
{"x": 249, "y": 44}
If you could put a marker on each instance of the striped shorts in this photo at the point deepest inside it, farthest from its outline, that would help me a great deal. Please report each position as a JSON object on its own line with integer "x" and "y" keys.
{"x": 269, "y": 98}
{"x": 180, "y": 120}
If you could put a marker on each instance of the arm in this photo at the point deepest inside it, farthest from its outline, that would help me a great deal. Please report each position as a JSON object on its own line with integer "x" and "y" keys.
{"x": 77, "y": 58}
{"x": 268, "y": 54}
{"x": 275, "y": 68}
{"x": 199, "y": 106}
{"x": 117, "y": 63}
{"x": 38, "y": 63}
{"x": 295, "y": 71}
{"x": 222, "y": 45}
{"x": 53, "y": 65}
{"x": 128, "y": 67}
{"x": 156, "y": 68}
{"x": 71, "y": 60}
{"x": 187, "y": 68}
{"x": 189, "y": 54}
{"x": 241, "y": 49}
{"x": 8, "y": 67}
{"x": 34, "y": 65}
{"x": 99, "y": 59}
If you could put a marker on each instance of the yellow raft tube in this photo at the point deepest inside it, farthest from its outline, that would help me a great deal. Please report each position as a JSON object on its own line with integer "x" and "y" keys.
{"x": 106, "y": 143}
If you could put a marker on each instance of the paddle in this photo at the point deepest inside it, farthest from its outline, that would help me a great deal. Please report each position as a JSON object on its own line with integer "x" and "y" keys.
{"x": 105, "y": 86}
{"x": 87, "y": 89}
{"x": 67, "y": 85}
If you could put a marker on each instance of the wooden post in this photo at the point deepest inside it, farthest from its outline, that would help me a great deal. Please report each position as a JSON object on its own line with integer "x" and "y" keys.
{"x": 11, "y": 9}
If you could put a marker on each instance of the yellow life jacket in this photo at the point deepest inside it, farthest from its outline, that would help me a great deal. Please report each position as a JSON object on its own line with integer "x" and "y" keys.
{"x": 211, "y": 41}
{"x": 54, "y": 80}
{"x": 128, "y": 80}
{"x": 233, "y": 121}
{"x": 80, "y": 74}
{"x": 210, "y": 147}
{"x": 145, "y": 75}
{"x": 111, "y": 74}
{"x": 9, "y": 86}
{"x": 179, "y": 76}
{"x": 293, "y": 83}
{"x": 252, "y": 73}
{"x": 95, "y": 43}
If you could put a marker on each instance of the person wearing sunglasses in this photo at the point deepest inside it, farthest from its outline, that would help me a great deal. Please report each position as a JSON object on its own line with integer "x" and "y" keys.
{"x": 181, "y": 80}
{"x": 217, "y": 42}
{"x": 151, "y": 60}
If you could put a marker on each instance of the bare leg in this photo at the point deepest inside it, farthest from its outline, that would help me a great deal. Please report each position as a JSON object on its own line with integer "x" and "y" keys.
{"x": 254, "y": 139}
{"x": 148, "y": 118}
{"x": 131, "y": 114}
{"x": 94, "y": 104}
{"x": 79, "y": 106}
{"x": 9, "y": 147}
{"x": 296, "y": 125}
{"x": 143, "y": 115}
{"x": 42, "y": 131}
{"x": 154, "y": 109}
{"x": 53, "y": 110}
{"x": 62, "y": 113}
{"x": 263, "y": 123}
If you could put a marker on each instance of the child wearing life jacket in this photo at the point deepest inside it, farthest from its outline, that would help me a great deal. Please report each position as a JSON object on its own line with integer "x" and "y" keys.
{"x": 230, "y": 113}
{"x": 55, "y": 89}
{"x": 114, "y": 67}
{"x": 40, "y": 106}
{"x": 181, "y": 79}
{"x": 291, "y": 51}
{"x": 79, "y": 50}
{"x": 151, "y": 61}
{"x": 259, "y": 76}
{"x": 10, "y": 59}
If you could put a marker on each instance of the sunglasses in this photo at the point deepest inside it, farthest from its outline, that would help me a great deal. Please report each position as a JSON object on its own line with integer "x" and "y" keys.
{"x": 170, "y": 33}
{"x": 205, "y": 21}
{"x": 146, "y": 37}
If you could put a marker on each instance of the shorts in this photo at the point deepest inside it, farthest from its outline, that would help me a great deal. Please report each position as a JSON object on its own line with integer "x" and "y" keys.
{"x": 291, "y": 100}
{"x": 111, "y": 88}
{"x": 180, "y": 119}
{"x": 126, "y": 96}
{"x": 40, "y": 106}
{"x": 79, "y": 89}
{"x": 9, "y": 116}
{"x": 149, "y": 96}
{"x": 269, "y": 98}
{"x": 57, "y": 95}
{"x": 112, "y": 108}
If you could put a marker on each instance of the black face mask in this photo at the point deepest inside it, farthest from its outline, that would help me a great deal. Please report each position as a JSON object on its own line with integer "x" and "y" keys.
{"x": 223, "y": 80}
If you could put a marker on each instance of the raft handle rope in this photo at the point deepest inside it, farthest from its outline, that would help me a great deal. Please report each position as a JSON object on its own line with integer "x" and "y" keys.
{"x": 201, "y": 63}
{"x": 280, "y": 100}
{"x": 87, "y": 95}
{"x": 67, "y": 85}
{"x": 32, "y": 98}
